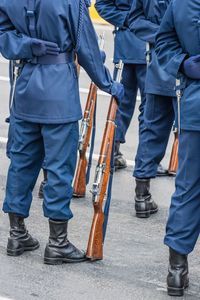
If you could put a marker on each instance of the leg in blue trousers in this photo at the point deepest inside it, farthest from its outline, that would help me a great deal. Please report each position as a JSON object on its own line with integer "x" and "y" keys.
{"x": 153, "y": 138}
{"x": 61, "y": 146}
{"x": 183, "y": 225}
{"x": 158, "y": 119}
{"x": 133, "y": 78}
{"x": 11, "y": 132}
{"x": 26, "y": 154}
{"x": 32, "y": 142}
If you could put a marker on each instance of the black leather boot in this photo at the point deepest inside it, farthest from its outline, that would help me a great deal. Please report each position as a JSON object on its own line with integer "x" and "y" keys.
{"x": 144, "y": 205}
{"x": 177, "y": 279}
{"x": 161, "y": 171}
{"x": 119, "y": 160}
{"x": 40, "y": 193}
{"x": 20, "y": 240}
{"x": 59, "y": 250}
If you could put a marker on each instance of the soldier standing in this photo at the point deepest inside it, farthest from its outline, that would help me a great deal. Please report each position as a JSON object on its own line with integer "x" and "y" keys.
{"x": 44, "y": 181}
{"x": 178, "y": 48}
{"x": 145, "y": 18}
{"x": 44, "y": 35}
{"x": 131, "y": 50}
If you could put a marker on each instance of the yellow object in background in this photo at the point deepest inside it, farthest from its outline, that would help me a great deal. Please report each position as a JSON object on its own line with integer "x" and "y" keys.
{"x": 96, "y": 19}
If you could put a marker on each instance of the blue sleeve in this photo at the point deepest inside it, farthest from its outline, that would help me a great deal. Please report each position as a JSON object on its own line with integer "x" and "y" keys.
{"x": 108, "y": 11}
{"x": 89, "y": 56}
{"x": 13, "y": 45}
{"x": 168, "y": 48}
{"x": 143, "y": 28}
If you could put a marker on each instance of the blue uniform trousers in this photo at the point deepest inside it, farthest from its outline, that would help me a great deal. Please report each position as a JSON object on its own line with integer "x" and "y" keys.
{"x": 32, "y": 142}
{"x": 133, "y": 77}
{"x": 158, "y": 120}
{"x": 183, "y": 224}
{"x": 10, "y": 134}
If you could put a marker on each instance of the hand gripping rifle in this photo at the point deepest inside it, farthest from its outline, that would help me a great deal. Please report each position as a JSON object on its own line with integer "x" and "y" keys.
{"x": 98, "y": 228}
{"x": 84, "y": 137}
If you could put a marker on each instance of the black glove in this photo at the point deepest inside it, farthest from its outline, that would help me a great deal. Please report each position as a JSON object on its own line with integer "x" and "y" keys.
{"x": 41, "y": 48}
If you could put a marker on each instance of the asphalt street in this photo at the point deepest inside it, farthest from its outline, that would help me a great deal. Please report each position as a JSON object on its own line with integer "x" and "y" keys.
{"x": 135, "y": 260}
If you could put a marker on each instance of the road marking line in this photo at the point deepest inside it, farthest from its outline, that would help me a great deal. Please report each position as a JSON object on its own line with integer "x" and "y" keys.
{"x": 3, "y": 140}
{"x": 3, "y": 78}
{"x": 95, "y": 157}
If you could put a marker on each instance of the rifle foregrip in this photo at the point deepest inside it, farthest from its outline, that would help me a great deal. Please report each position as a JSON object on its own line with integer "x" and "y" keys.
{"x": 173, "y": 165}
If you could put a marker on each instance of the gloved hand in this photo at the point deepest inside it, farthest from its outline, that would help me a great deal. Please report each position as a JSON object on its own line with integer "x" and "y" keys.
{"x": 41, "y": 48}
{"x": 117, "y": 91}
{"x": 191, "y": 67}
{"x": 103, "y": 56}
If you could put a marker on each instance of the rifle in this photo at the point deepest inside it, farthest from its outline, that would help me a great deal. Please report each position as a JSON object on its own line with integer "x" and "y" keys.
{"x": 98, "y": 228}
{"x": 173, "y": 164}
{"x": 84, "y": 137}
{"x": 16, "y": 68}
{"x": 148, "y": 53}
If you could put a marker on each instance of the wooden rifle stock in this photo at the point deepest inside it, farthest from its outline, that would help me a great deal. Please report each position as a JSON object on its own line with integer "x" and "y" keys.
{"x": 77, "y": 66}
{"x": 85, "y": 133}
{"x": 86, "y": 128}
{"x": 173, "y": 164}
{"x": 95, "y": 244}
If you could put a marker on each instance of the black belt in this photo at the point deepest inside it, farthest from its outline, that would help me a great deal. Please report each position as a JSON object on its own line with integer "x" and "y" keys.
{"x": 61, "y": 58}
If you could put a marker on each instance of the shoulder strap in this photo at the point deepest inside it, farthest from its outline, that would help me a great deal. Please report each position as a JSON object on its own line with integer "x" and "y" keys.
{"x": 31, "y": 17}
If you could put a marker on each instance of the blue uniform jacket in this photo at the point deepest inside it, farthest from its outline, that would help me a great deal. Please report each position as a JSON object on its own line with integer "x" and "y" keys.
{"x": 127, "y": 46}
{"x": 178, "y": 37}
{"x": 145, "y": 18}
{"x": 50, "y": 93}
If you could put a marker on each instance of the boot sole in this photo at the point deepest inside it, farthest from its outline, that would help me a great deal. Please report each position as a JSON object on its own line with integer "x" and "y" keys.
{"x": 179, "y": 292}
{"x": 146, "y": 214}
{"x": 162, "y": 175}
{"x": 78, "y": 196}
{"x": 21, "y": 250}
{"x": 60, "y": 261}
{"x": 119, "y": 168}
